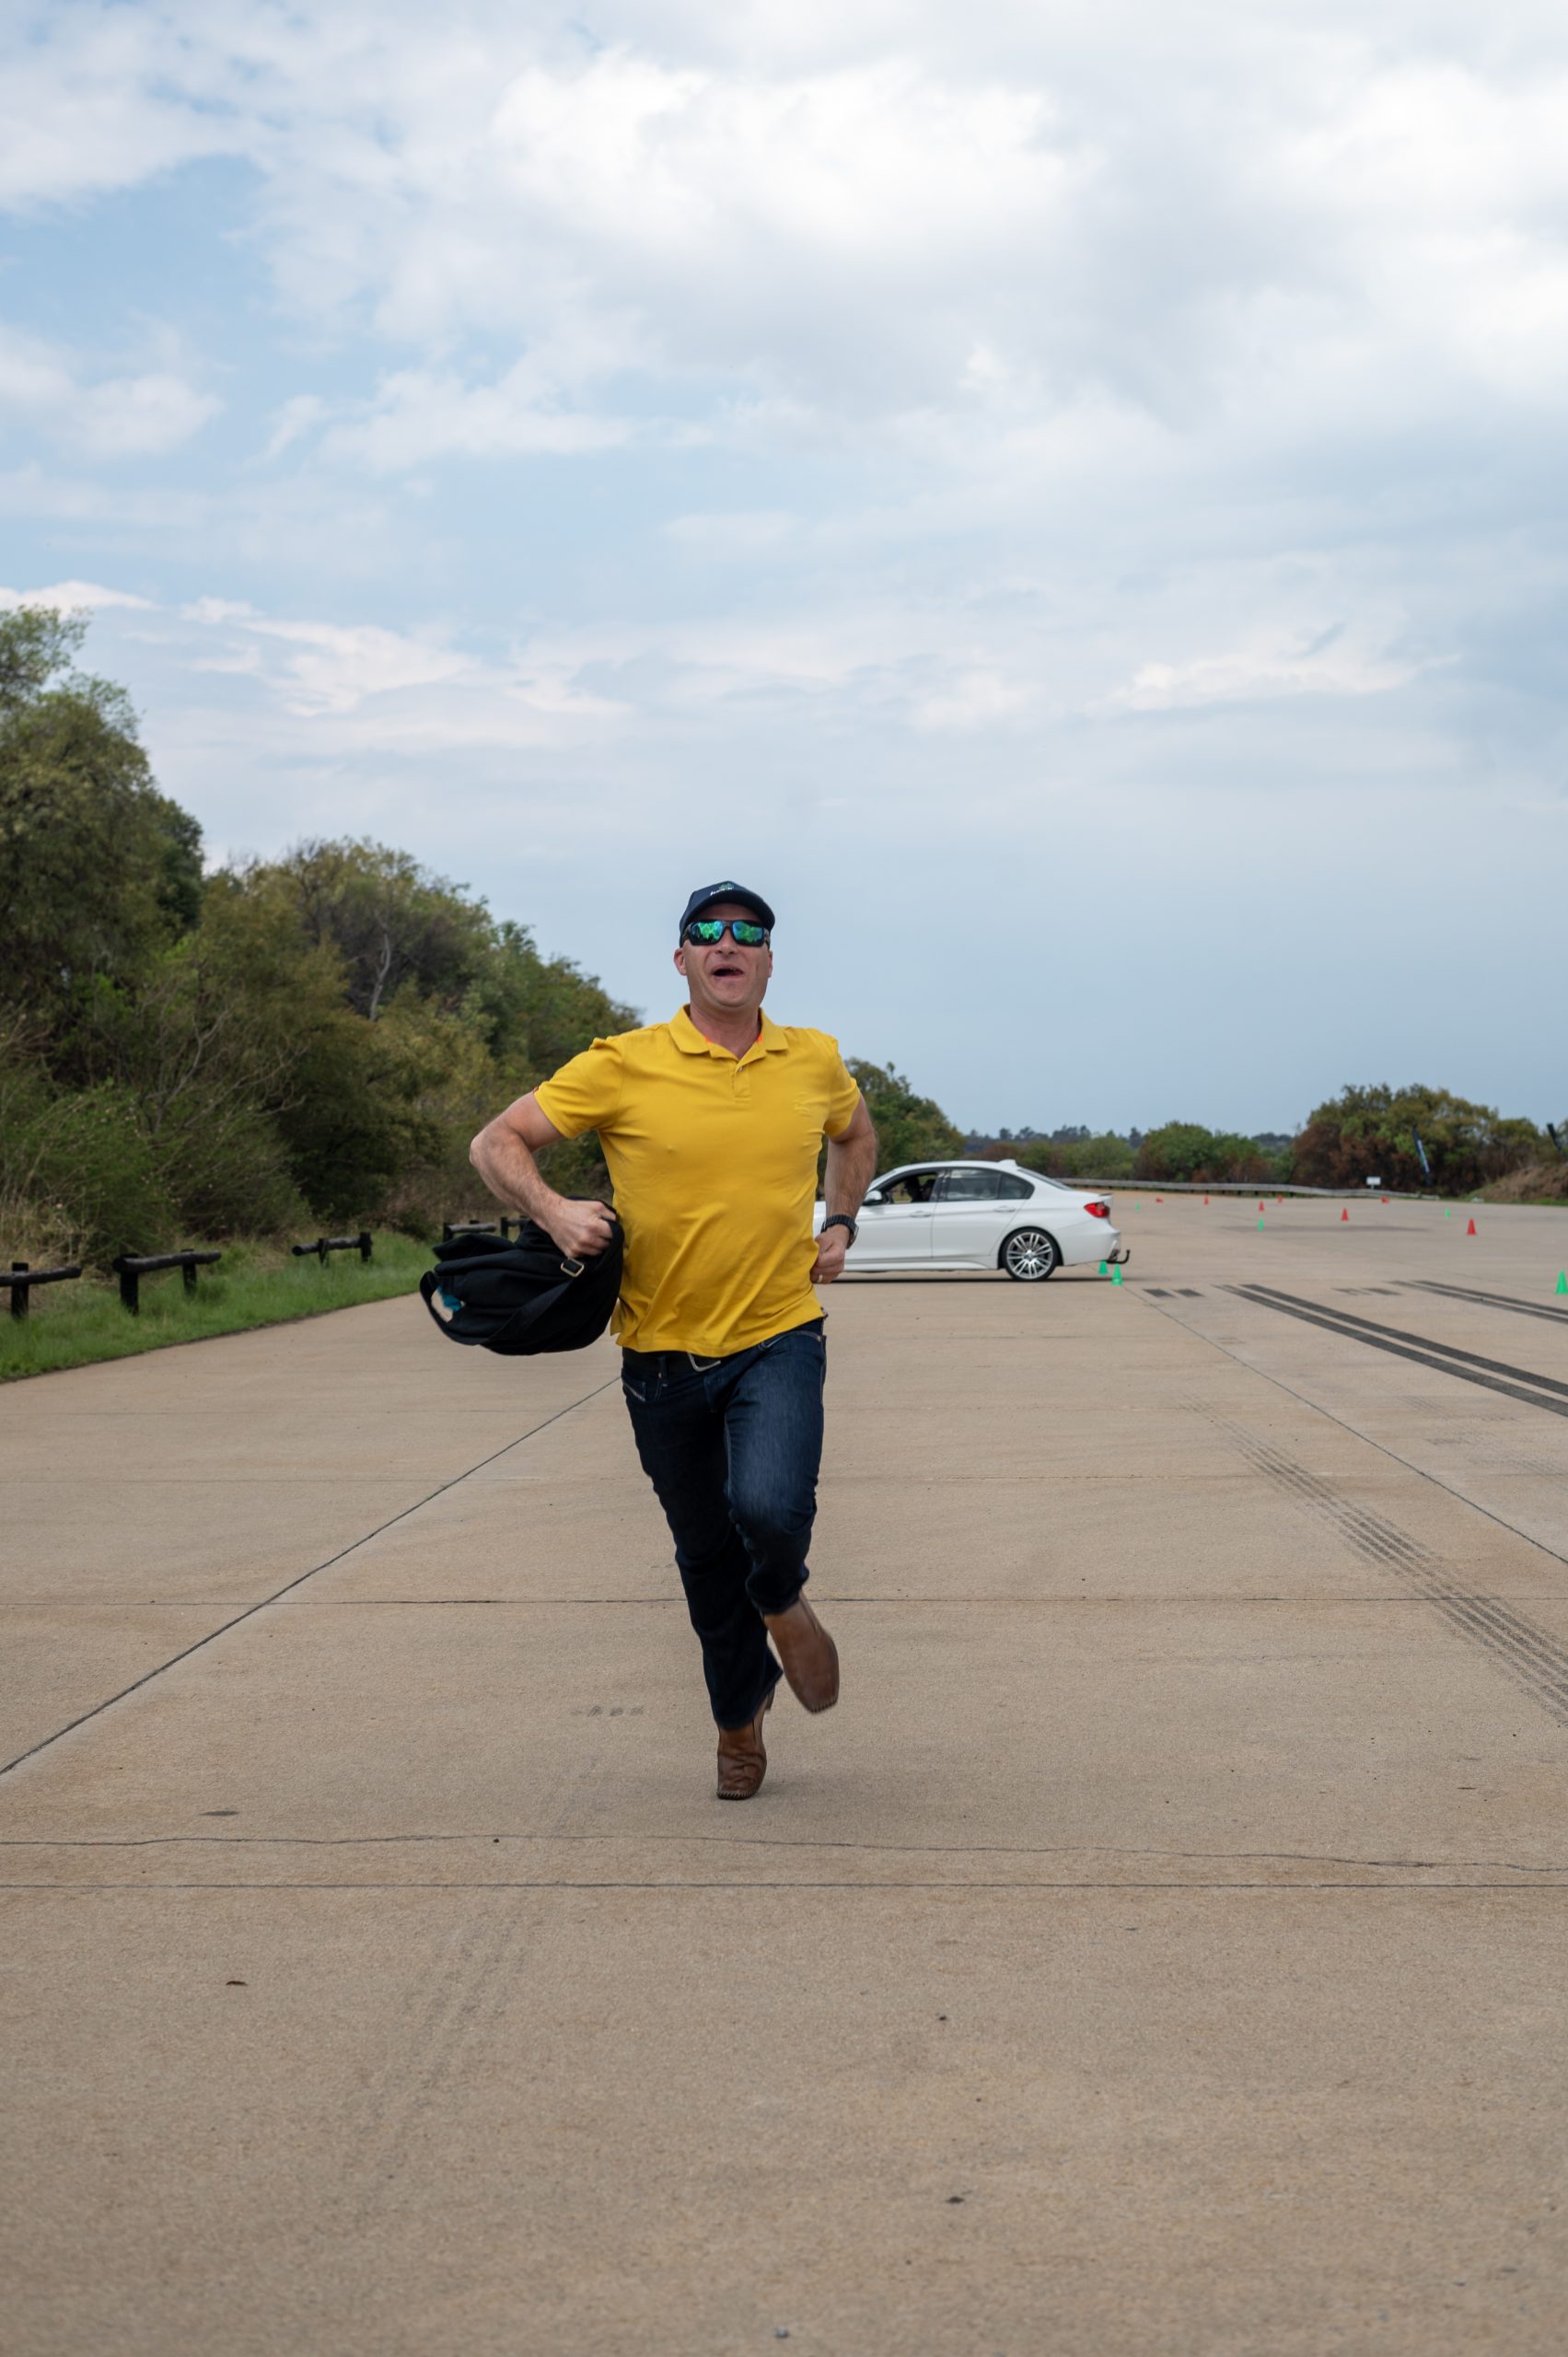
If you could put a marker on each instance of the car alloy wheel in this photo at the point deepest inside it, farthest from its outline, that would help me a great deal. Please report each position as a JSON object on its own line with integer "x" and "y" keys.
{"x": 1030, "y": 1256}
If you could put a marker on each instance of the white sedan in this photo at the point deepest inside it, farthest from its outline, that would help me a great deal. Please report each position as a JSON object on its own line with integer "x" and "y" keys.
{"x": 980, "y": 1216}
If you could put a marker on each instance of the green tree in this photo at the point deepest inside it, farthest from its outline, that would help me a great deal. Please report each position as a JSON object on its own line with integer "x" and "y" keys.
{"x": 451, "y": 1015}
{"x": 1371, "y": 1131}
{"x": 1079, "y": 1156}
{"x": 391, "y": 921}
{"x": 350, "y": 1098}
{"x": 1184, "y": 1150}
{"x": 909, "y": 1128}
{"x": 98, "y": 871}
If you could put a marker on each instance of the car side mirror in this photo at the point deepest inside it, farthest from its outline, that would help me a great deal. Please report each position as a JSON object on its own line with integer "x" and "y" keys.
{"x": 873, "y": 1203}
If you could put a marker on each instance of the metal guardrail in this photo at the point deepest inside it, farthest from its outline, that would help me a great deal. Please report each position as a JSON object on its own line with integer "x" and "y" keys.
{"x": 22, "y": 1279}
{"x": 131, "y": 1268}
{"x": 325, "y": 1244}
{"x": 1246, "y": 1187}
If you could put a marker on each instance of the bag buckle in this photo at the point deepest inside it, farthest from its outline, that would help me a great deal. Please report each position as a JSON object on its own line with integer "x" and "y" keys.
{"x": 571, "y": 1267}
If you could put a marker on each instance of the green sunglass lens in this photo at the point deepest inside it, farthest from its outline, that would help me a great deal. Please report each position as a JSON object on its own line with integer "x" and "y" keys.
{"x": 709, "y": 931}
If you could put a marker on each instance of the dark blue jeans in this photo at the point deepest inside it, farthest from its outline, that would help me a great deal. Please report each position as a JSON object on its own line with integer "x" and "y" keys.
{"x": 733, "y": 1449}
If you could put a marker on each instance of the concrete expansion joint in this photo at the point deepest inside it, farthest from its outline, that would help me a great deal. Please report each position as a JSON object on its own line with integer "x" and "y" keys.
{"x": 773, "y": 1842}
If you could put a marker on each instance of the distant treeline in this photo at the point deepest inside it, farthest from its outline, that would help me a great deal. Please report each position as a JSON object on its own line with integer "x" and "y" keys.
{"x": 1365, "y": 1132}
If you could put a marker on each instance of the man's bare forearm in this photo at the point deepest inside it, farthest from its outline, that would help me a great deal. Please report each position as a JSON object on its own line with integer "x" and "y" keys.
{"x": 512, "y": 1174}
{"x": 852, "y": 1166}
{"x": 503, "y": 1159}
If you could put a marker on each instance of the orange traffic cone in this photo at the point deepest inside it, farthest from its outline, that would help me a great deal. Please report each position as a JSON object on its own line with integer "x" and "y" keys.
{"x": 1345, "y": 1213}
{"x": 1470, "y": 1230}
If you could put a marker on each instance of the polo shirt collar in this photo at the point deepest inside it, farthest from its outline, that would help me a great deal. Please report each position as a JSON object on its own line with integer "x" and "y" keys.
{"x": 770, "y": 1040}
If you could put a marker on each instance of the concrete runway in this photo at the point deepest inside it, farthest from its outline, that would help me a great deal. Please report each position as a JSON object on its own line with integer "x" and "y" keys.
{"x": 1164, "y": 1946}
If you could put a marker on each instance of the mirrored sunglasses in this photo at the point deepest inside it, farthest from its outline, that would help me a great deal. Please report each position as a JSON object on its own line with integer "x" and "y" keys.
{"x": 707, "y": 932}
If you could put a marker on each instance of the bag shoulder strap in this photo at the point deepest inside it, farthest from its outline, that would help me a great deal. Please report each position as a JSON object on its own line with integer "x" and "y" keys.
{"x": 520, "y": 1322}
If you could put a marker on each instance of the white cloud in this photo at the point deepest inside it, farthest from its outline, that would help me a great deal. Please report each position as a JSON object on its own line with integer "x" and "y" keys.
{"x": 51, "y": 391}
{"x": 859, "y": 212}
{"x": 332, "y": 668}
{"x": 974, "y": 700}
{"x": 328, "y": 667}
{"x": 76, "y": 597}
{"x": 218, "y": 609}
{"x": 418, "y": 415}
{"x": 742, "y": 534}
{"x": 296, "y": 418}
{"x": 361, "y": 685}
{"x": 88, "y": 506}
{"x": 85, "y": 108}
{"x": 1328, "y": 662}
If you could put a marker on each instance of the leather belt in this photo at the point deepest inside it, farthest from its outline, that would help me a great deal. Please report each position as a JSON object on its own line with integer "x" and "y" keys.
{"x": 673, "y": 1362}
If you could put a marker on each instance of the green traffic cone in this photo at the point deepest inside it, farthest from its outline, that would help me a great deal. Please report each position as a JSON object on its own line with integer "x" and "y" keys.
{"x": 1103, "y": 1269}
{"x": 1116, "y": 1276}
{"x": 1260, "y": 1219}
{"x": 1447, "y": 1211}
{"x": 1562, "y": 1280}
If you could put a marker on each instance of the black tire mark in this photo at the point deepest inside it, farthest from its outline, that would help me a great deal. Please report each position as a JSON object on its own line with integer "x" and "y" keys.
{"x": 1489, "y": 1300}
{"x": 1316, "y": 1408}
{"x": 1335, "y": 1321}
{"x": 1424, "y": 1343}
{"x": 1535, "y": 1659}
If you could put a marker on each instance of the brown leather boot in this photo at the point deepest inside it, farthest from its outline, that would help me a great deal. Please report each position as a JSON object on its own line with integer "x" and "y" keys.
{"x": 809, "y": 1656}
{"x": 743, "y": 1763}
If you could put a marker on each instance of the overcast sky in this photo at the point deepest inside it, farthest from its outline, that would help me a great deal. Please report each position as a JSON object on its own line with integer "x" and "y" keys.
{"x": 1067, "y": 502}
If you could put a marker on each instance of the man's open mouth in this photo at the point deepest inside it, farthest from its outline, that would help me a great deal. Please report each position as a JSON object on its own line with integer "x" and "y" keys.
{"x": 718, "y": 973}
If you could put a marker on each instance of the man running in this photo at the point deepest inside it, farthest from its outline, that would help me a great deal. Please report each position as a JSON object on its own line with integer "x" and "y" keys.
{"x": 711, "y": 1126}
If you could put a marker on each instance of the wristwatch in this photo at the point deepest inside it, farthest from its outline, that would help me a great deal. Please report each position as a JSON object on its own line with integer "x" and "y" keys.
{"x": 841, "y": 1219}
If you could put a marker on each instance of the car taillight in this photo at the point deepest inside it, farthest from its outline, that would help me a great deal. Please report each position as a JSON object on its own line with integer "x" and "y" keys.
{"x": 1098, "y": 1210}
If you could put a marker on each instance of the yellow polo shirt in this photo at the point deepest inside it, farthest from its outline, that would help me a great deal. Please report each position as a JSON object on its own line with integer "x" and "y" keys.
{"x": 713, "y": 1162}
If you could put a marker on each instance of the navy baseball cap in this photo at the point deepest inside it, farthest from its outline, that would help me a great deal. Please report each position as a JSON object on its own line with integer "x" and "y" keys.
{"x": 706, "y": 894}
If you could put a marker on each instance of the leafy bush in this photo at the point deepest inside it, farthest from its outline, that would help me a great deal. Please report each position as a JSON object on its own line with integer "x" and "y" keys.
{"x": 1373, "y": 1131}
{"x": 1182, "y": 1150}
{"x": 87, "y": 1156}
{"x": 1084, "y": 1156}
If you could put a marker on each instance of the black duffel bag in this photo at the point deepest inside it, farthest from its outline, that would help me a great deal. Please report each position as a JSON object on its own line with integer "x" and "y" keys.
{"x": 522, "y": 1297}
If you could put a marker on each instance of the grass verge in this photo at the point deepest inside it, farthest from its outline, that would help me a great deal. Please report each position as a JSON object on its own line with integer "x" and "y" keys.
{"x": 1539, "y": 1182}
{"x": 253, "y": 1284}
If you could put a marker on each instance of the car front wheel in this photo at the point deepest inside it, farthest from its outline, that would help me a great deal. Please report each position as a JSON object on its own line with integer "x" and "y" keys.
{"x": 1030, "y": 1256}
